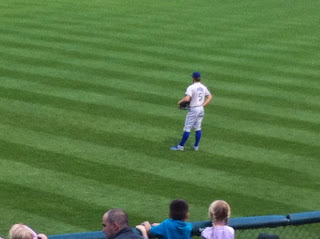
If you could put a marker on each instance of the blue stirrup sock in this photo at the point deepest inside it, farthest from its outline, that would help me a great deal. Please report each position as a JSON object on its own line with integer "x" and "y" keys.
{"x": 198, "y": 137}
{"x": 185, "y": 136}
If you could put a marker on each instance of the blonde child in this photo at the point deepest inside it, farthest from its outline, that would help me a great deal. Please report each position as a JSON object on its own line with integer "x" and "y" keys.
{"x": 219, "y": 212}
{"x": 20, "y": 231}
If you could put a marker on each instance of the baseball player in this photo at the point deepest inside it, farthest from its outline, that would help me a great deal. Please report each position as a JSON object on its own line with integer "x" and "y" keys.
{"x": 199, "y": 96}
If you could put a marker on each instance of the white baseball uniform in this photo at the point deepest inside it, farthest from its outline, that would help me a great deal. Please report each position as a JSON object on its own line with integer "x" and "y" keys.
{"x": 198, "y": 93}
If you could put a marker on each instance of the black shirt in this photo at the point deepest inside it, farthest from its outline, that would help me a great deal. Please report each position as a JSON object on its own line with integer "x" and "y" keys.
{"x": 127, "y": 233}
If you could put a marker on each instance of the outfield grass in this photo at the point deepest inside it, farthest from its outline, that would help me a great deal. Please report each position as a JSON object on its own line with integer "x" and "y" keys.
{"x": 88, "y": 93}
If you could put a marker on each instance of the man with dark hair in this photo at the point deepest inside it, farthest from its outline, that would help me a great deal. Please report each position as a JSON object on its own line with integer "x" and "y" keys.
{"x": 116, "y": 225}
{"x": 174, "y": 228}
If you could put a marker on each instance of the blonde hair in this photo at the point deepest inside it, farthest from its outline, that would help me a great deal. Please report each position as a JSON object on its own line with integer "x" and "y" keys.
{"x": 20, "y": 231}
{"x": 219, "y": 210}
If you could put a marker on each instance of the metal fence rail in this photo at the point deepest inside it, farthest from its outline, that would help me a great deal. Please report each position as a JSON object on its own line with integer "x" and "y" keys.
{"x": 304, "y": 225}
{"x": 307, "y": 231}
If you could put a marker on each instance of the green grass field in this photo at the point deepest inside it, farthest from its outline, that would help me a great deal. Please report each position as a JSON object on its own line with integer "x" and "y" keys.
{"x": 88, "y": 93}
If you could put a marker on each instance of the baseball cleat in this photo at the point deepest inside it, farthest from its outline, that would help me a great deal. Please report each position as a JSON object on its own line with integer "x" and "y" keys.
{"x": 177, "y": 148}
{"x": 195, "y": 148}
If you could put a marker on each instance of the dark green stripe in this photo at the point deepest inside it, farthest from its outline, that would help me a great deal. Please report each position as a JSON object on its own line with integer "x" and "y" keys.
{"x": 152, "y": 184}
{"x": 130, "y": 142}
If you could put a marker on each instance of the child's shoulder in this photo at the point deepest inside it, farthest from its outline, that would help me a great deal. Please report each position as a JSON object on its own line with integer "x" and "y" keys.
{"x": 230, "y": 229}
{"x": 178, "y": 223}
{"x": 207, "y": 232}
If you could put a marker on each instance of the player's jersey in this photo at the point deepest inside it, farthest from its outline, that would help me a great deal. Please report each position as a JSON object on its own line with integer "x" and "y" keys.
{"x": 197, "y": 92}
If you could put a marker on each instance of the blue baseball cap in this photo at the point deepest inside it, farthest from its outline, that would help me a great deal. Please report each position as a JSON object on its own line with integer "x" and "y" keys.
{"x": 196, "y": 74}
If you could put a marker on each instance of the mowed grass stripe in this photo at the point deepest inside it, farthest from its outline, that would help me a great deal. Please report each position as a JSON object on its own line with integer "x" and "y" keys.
{"x": 100, "y": 108}
{"x": 59, "y": 117}
{"x": 218, "y": 109}
{"x": 299, "y": 59}
{"x": 43, "y": 223}
{"x": 155, "y": 27}
{"x": 40, "y": 106}
{"x": 268, "y": 78}
{"x": 33, "y": 92}
{"x": 225, "y": 104}
{"x": 227, "y": 134}
{"x": 170, "y": 187}
{"x": 283, "y": 145}
{"x": 250, "y": 156}
{"x": 101, "y": 32}
{"x": 45, "y": 204}
{"x": 274, "y": 87}
{"x": 132, "y": 25}
{"x": 63, "y": 80}
{"x": 184, "y": 57}
{"x": 108, "y": 42}
{"x": 234, "y": 60}
{"x": 294, "y": 95}
{"x": 76, "y": 189}
{"x": 122, "y": 126}
{"x": 85, "y": 131}
{"x": 161, "y": 94}
{"x": 103, "y": 114}
{"x": 106, "y": 98}
{"x": 262, "y": 117}
{"x": 160, "y": 15}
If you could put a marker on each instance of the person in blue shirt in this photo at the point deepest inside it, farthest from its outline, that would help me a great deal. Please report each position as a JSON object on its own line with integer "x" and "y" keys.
{"x": 175, "y": 227}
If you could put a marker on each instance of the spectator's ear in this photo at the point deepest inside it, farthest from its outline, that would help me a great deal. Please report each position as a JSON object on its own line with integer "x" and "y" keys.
{"x": 187, "y": 216}
{"x": 116, "y": 226}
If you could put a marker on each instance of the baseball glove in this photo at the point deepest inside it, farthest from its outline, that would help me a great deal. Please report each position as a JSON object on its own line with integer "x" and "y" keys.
{"x": 184, "y": 105}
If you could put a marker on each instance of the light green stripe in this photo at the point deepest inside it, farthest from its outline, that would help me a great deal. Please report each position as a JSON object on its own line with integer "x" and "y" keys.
{"x": 123, "y": 126}
{"x": 89, "y": 191}
{"x": 100, "y": 99}
{"x": 162, "y": 167}
{"x": 90, "y": 97}
{"x": 46, "y": 225}
{"x": 242, "y": 87}
{"x": 306, "y": 116}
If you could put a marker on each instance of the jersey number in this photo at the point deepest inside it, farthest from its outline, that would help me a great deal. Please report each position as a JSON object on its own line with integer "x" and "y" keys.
{"x": 200, "y": 97}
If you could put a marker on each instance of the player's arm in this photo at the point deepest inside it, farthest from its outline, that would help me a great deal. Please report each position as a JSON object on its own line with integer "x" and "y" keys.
{"x": 186, "y": 98}
{"x": 207, "y": 100}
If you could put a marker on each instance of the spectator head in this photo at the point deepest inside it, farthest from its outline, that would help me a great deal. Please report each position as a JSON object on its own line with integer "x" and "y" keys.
{"x": 220, "y": 211}
{"x": 113, "y": 221}
{"x": 179, "y": 210}
{"x": 20, "y": 231}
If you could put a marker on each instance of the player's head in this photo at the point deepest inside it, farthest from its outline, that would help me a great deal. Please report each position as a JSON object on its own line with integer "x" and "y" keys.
{"x": 179, "y": 210}
{"x": 219, "y": 210}
{"x": 196, "y": 76}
